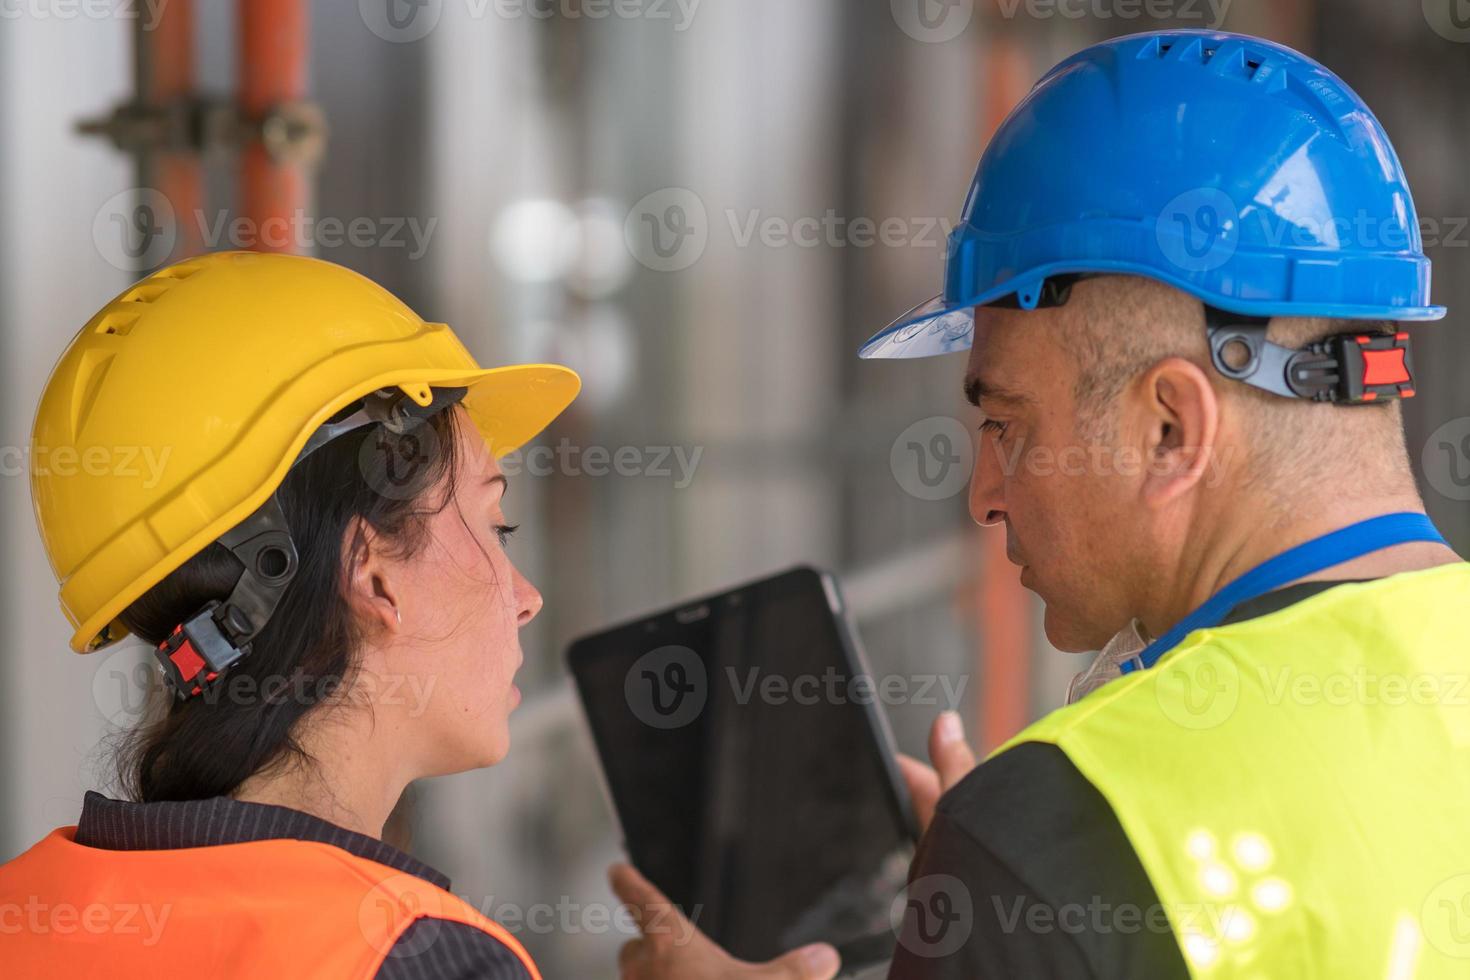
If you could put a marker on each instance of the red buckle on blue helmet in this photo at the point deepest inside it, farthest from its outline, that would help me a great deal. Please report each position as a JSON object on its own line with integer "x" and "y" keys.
{"x": 1344, "y": 368}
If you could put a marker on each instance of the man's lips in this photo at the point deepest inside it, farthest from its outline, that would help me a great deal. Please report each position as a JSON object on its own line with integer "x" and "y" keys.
{"x": 1013, "y": 554}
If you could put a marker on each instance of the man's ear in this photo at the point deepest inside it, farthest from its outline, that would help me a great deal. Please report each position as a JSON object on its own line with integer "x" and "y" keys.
{"x": 370, "y": 585}
{"x": 1181, "y": 419}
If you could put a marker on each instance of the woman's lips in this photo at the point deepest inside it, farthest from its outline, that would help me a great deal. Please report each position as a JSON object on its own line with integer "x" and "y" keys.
{"x": 515, "y": 692}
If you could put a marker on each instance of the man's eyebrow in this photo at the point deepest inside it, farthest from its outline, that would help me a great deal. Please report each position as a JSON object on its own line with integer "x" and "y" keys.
{"x": 976, "y": 388}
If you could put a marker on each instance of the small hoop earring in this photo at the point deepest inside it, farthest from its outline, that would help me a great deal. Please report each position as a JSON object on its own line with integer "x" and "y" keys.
{"x": 399, "y": 614}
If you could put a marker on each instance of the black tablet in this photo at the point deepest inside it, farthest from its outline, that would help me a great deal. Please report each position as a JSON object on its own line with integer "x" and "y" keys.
{"x": 751, "y": 767}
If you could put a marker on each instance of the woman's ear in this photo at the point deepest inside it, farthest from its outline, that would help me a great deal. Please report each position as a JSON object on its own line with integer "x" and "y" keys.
{"x": 1181, "y": 422}
{"x": 371, "y": 589}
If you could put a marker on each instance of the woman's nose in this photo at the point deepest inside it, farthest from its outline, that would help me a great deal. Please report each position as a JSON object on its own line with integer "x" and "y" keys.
{"x": 528, "y": 600}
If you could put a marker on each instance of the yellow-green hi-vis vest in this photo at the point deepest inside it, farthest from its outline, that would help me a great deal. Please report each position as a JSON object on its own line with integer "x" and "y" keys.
{"x": 1297, "y": 786}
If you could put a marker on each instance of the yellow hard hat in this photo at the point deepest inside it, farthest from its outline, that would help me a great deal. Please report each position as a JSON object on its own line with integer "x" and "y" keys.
{"x": 177, "y": 410}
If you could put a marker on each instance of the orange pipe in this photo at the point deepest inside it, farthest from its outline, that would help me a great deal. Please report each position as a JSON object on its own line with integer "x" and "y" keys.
{"x": 167, "y": 77}
{"x": 1002, "y": 607}
{"x": 273, "y": 69}
{"x": 273, "y": 40}
{"x": 1006, "y": 649}
{"x": 171, "y": 57}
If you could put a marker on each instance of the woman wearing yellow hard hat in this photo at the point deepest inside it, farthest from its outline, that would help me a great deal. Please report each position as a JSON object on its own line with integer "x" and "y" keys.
{"x": 325, "y": 533}
{"x": 326, "y": 526}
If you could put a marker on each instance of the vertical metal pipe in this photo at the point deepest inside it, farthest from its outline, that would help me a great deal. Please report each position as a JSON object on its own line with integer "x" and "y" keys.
{"x": 1002, "y": 607}
{"x": 273, "y": 71}
{"x": 163, "y": 72}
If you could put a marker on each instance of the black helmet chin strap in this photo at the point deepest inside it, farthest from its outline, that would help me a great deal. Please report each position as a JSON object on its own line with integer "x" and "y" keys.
{"x": 219, "y": 634}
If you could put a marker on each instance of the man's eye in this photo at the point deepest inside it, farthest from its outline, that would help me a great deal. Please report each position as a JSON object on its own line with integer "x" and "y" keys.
{"x": 993, "y": 426}
{"x": 504, "y": 531}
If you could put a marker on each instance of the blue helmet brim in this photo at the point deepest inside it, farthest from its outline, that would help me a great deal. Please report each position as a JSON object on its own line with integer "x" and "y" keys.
{"x": 936, "y": 326}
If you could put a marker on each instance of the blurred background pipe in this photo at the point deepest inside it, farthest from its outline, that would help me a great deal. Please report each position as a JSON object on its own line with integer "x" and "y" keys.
{"x": 275, "y": 189}
{"x": 164, "y": 72}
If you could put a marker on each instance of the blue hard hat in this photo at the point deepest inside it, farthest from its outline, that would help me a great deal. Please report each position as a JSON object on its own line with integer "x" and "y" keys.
{"x": 1230, "y": 167}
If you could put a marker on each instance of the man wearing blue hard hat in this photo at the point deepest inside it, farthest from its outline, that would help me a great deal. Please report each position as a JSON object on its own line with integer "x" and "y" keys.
{"x": 1184, "y": 266}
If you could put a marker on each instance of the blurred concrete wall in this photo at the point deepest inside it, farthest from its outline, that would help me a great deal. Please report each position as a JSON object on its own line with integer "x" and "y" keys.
{"x": 53, "y": 71}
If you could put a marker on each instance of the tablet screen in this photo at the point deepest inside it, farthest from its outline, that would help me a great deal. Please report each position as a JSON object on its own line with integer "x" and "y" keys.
{"x": 740, "y": 740}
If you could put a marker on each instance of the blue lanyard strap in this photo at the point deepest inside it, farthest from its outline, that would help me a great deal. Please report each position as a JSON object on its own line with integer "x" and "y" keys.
{"x": 1307, "y": 558}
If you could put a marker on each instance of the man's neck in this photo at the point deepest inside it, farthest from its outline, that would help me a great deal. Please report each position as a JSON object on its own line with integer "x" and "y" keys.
{"x": 1239, "y": 548}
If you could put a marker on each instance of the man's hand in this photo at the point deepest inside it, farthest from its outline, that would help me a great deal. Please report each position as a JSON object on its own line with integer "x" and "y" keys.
{"x": 953, "y": 760}
{"x": 671, "y": 948}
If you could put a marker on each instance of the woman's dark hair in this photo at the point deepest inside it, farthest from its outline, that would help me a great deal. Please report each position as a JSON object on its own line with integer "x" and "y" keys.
{"x": 247, "y": 721}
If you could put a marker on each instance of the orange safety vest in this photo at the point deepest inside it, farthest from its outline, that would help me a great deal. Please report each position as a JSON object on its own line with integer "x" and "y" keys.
{"x": 268, "y": 908}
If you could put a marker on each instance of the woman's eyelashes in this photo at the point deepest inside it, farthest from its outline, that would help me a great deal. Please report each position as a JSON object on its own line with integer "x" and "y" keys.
{"x": 504, "y": 531}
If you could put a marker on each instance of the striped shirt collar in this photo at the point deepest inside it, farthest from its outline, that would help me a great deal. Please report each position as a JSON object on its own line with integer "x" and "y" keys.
{"x": 120, "y": 825}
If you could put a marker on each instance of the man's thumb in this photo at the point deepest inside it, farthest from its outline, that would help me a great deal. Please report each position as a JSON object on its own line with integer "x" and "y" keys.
{"x": 815, "y": 962}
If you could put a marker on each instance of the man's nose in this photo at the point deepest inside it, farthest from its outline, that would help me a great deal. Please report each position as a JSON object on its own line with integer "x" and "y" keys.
{"x": 987, "y": 483}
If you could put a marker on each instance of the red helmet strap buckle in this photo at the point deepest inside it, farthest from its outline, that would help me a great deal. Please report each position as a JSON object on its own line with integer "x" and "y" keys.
{"x": 1344, "y": 368}
{"x": 219, "y": 634}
